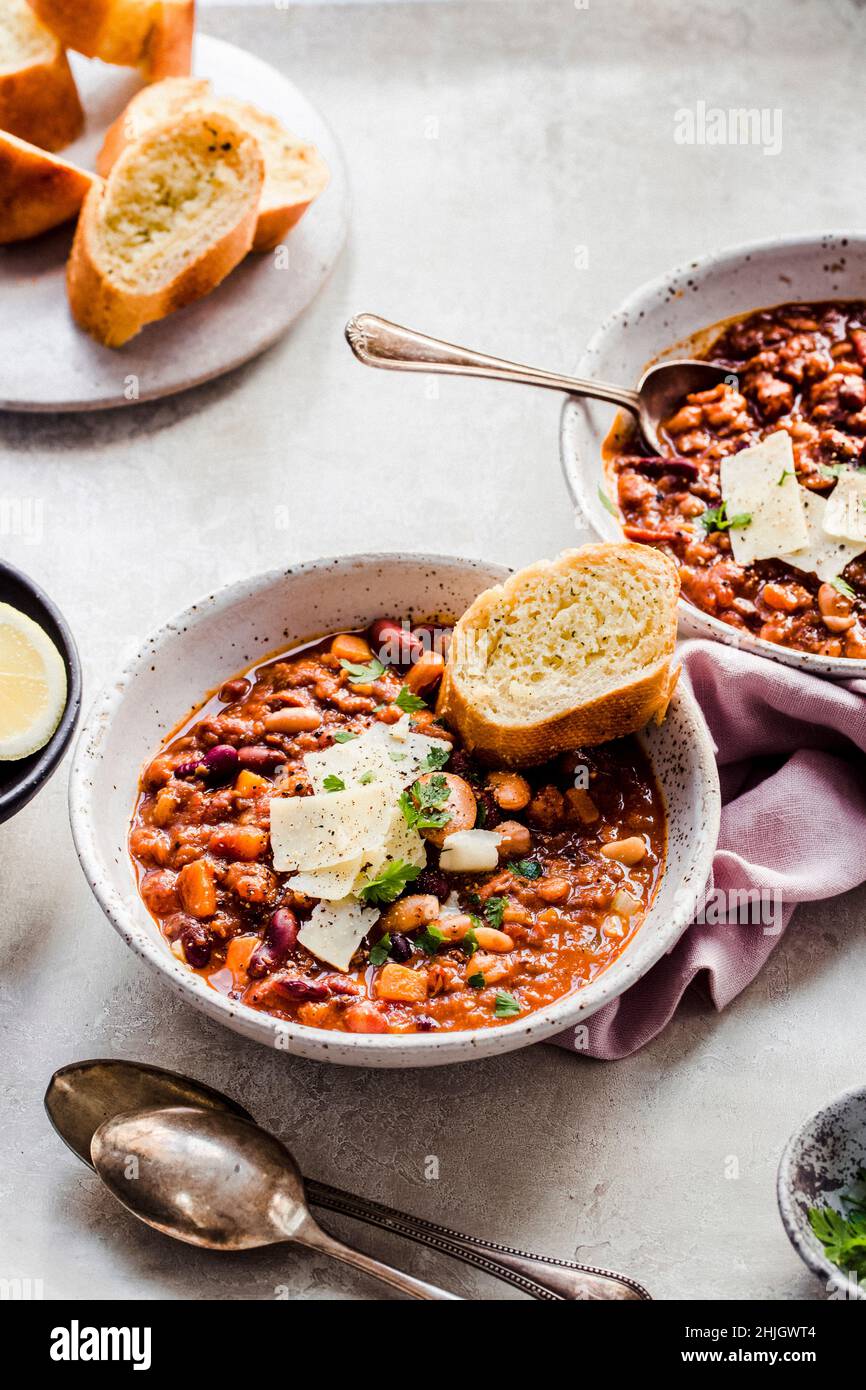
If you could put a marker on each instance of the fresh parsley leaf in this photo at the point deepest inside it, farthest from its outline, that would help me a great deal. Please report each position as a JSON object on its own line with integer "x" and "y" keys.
{"x": 493, "y": 910}
{"x": 396, "y": 757}
{"x": 333, "y": 783}
{"x": 606, "y": 503}
{"x": 526, "y": 868}
{"x": 785, "y": 473}
{"x": 363, "y": 675}
{"x": 843, "y": 1234}
{"x": 344, "y": 737}
{"x": 832, "y": 470}
{"x": 469, "y": 943}
{"x": 423, "y": 805}
{"x": 476, "y": 981}
{"x": 409, "y": 703}
{"x": 430, "y": 939}
{"x": 389, "y": 884}
{"x": 366, "y": 778}
{"x": 506, "y": 1005}
{"x": 480, "y": 814}
{"x": 436, "y": 759}
{"x": 843, "y": 587}
{"x": 379, "y": 953}
{"x": 717, "y": 519}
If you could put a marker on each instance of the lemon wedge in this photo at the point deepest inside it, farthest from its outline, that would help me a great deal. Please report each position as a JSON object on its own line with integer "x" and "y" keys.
{"x": 32, "y": 685}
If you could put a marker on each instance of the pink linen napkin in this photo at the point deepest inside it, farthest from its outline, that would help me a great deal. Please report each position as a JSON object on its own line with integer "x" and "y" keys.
{"x": 790, "y": 749}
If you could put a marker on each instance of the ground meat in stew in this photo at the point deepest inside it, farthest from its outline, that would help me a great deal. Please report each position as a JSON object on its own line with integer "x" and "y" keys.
{"x": 798, "y": 368}
{"x": 581, "y": 850}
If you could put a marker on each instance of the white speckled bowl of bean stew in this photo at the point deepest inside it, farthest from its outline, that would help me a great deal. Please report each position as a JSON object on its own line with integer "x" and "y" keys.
{"x": 788, "y": 317}
{"x": 178, "y": 761}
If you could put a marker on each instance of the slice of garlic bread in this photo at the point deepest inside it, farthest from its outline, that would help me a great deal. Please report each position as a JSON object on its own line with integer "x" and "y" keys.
{"x": 38, "y": 190}
{"x": 38, "y": 97}
{"x": 176, "y": 215}
{"x": 154, "y": 35}
{"x": 566, "y": 653}
{"x": 295, "y": 173}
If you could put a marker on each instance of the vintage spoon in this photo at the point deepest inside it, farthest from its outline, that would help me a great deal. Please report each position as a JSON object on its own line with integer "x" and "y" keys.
{"x": 212, "y": 1179}
{"x": 378, "y": 343}
{"x": 84, "y": 1094}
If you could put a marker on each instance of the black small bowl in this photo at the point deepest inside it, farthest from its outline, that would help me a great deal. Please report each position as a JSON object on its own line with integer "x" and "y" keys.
{"x": 22, "y": 779}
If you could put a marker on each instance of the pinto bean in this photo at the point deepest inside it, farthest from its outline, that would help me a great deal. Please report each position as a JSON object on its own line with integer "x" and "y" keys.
{"x": 411, "y": 913}
{"x": 836, "y": 609}
{"x": 461, "y": 807}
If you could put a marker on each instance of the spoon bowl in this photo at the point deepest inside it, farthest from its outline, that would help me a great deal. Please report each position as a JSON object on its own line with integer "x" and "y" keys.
{"x": 379, "y": 343}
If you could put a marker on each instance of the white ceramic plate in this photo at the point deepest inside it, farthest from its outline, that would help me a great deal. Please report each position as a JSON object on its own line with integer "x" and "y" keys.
{"x": 48, "y": 363}
{"x": 653, "y": 324}
{"x": 226, "y": 632}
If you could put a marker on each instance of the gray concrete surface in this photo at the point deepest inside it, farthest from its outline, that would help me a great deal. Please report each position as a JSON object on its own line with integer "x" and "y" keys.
{"x": 488, "y": 143}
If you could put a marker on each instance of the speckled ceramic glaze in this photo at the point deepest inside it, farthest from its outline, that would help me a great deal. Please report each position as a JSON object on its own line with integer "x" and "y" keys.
{"x": 227, "y": 631}
{"x": 657, "y": 322}
{"x": 820, "y": 1164}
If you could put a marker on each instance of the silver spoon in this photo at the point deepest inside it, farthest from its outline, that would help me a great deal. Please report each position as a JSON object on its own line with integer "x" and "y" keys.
{"x": 378, "y": 343}
{"x": 84, "y": 1094}
{"x": 210, "y": 1178}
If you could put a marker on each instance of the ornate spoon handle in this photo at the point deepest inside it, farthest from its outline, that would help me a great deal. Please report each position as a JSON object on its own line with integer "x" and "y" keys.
{"x": 537, "y": 1275}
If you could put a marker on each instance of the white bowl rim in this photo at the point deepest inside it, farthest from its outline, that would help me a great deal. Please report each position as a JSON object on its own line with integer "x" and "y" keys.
{"x": 842, "y": 667}
{"x": 542, "y": 1023}
{"x": 819, "y": 1263}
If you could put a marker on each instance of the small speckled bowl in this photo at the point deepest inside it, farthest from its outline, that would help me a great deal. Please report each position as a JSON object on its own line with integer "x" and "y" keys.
{"x": 820, "y": 1164}
{"x": 665, "y": 318}
{"x": 229, "y": 630}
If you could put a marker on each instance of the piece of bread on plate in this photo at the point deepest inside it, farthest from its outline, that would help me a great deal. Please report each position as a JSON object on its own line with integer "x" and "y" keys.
{"x": 295, "y": 173}
{"x": 175, "y": 216}
{"x": 38, "y": 190}
{"x": 566, "y": 653}
{"x": 38, "y": 97}
{"x": 154, "y": 35}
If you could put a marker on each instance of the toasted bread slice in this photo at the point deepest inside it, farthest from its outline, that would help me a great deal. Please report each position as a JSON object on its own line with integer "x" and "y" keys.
{"x": 154, "y": 35}
{"x": 176, "y": 215}
{"x": 295, "y": 173}
{"x": 38, "y": 190}
{"x": 566, "y": 653}
{"x": 38, "y": 97}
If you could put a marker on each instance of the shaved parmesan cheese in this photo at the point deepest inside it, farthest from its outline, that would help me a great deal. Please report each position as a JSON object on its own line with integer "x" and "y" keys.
{"x": 318, "y": 832}
{"x": 845, "y": 517}
{"x": 331, "y": 883}
{"x": 824, "y": 555}
{"x": 384, "y": 753}
{"x": 336, "y": 930}
{"x": 761, "y": 483}
{"x": 470, "y": 851}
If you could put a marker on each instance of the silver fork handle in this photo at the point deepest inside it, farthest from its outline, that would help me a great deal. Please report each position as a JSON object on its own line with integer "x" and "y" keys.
{"x": 539, "y": 1276}
{"x": 379, "y": 343}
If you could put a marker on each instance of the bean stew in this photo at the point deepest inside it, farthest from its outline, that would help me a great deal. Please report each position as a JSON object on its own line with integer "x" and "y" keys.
{"x": 800, "y": 368}
{"x": 579, "y": 849}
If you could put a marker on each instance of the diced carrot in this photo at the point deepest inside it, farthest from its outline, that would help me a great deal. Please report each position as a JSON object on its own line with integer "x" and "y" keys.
{"x": 248, "y": 781}
{"x": 246, "y": 842}
{"x": 364, "y": 1017}
{"x": 164, "y": 807}
{"x": 400, "y": 985}
{"x": 197, "y": 889}
{"x": 238, "y": 953}
{"x": 315, "y": 1015}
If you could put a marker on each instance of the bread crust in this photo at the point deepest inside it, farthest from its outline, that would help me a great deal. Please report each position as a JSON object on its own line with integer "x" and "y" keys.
{"x": 38, "y": 191}
{"x": 40, "y": 103}
{"x": 154, "y": 35}
{"x": 113, "y": 314}
{"x": 612, "y": 715}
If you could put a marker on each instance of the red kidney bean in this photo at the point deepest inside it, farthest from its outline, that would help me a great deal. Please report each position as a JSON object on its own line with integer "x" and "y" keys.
{"x": 197, "y": 942}
{"x": 221, "y": 762}
{"x": 401, "y": 947}
{"x": 258, "y": 758}
{"x": 395, "y": 644}
{"x": 433, "y": 881}
{"x": 192, "y": 768}
{"x": 657, "y": 467}
{"x": 298, "y": 989}
{"x": 233, "y": 690}
{"x": 278, "y": 941}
